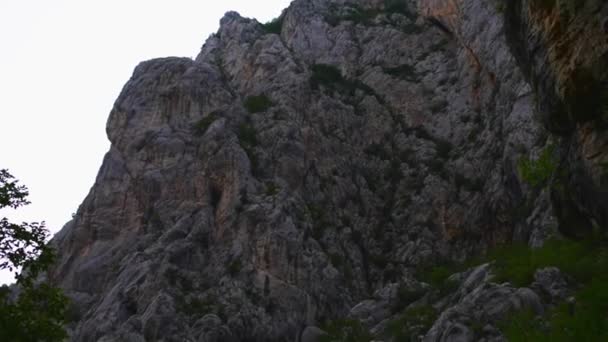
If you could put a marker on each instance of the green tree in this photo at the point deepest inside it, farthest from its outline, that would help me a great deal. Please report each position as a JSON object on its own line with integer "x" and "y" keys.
{"x": 33, "y": 310}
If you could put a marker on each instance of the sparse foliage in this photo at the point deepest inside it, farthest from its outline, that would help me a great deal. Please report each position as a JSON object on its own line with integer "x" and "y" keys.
{"x": 538, "y": 171}
{"x": 34, "y": 310}
{"x": 346, "y": 330}
{"x": 203, "y": 124}
{"x": 256, "y": 104}
{"x": 584, "y": 319}
{"x": 273, "y": 26}
{"x": 415, "y": 321}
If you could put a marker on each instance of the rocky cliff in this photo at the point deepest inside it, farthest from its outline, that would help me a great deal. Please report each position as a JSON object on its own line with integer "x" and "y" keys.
{"x": 303, "y": 171}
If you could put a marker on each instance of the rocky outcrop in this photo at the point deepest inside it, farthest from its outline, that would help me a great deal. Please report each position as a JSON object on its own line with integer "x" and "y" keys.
{"x": 469, "y": 306}
{"x": 289, "y": 177}
{"x": 562, "y": 49}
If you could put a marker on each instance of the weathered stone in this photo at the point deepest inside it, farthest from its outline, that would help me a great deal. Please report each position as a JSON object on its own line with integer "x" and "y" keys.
{"x": 389, "y": 139}
{"x": 551, "y": 282}
{"x": 312, "y": 334}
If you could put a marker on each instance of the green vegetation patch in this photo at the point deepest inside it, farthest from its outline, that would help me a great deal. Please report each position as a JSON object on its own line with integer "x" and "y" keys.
{"x": 345, "y": 330}
{"x": 360, "y": 15}
{"x": 439, "y": 277}
{"x": 273, "y": 26}
{"x": 38, "y": 310}
{"x": 585, "y": 261}
{"x": 472, "y": 185}
{"x": 356, "y": 14}
{"x": 272, "y": 189}
{"x": 258, "y": 103}
{"x": 400, "y": 7}
{"x": 517, "y": 263}
{"x": 235, "y": 267}
{"x": 582, "y": 260}
{"x": 412, "y": 323}
{"x": 194, "y": 306}
{"x": 330, "y": 77}
{"x": 203, "y": 124}
{"x": 248, "y": 140}
{"x": 404, "y": 72}
{"x": 247, "y": 135}
{"x": 538, "y": 172}
{"x": 378, "y": 150}
{"x": 365, "y": 16}
{"x": 543, "y": 4}
{"x": 443, "y": 148}
{"x": 325, "y": 74}
{"x": 586, "y": 318}
{"x": 406, "y": 295}
{"x": 604, "y": 174}
{"x": 318, "y": 219}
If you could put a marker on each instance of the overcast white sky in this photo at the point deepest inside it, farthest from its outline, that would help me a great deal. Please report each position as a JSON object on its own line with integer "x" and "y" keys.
{"x": 62, "y": 65}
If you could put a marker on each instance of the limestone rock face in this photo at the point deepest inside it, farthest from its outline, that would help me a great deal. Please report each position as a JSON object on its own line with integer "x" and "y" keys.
{"x": 283, "y": 179}
{"x": 562, "y": 48}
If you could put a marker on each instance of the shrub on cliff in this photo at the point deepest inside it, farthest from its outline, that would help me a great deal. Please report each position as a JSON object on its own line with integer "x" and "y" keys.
{"x": 258, "y": 103}
{"x": 538, "y": 171}
{"x": 273, "y": 26}
{"x": 581, "y": 319}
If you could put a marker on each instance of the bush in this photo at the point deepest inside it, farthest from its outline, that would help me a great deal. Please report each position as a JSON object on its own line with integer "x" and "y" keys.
{"x": 443, "y": 148}
{"x": 438, "y": 277}
{"x": 353, "y": 13}
{"x": 360, "y": 16}
{"x": 585, "y": 261}
{"x": 33, "y": 310}
{"x": 364, "y": 16}
{"x": 472, "y": 185}
{"x": 330, "y": 77}
{"x": 543, "y": 4}
{"x": 248, "y": 140}
{"x": 273, "y": 26}
{"x": 406, "y": 296}
{"x": 580, "y": 259}
{"x": 336, "y": 259}
{"x": 345, "y": 330}
{"x": 271, "y": 189}
{"x": 500, "y": 6}
{"x": 378, "y": 150}
{"x": 404, "y": 72}
{"x": 194, "y": 306}
{"x": 203, "y": 124}
{"x": 318, "y": 219}
{"x": 393, "y": 172}
{"x": 397, "y": 6}
{"x": 326, "y": 75}
{"x": 437, "y": 167}
{"x": 538, "y": 172}
{"x": 235, "y": 267}
{"x": 412, "y": 323}
{"x": 583, "y": 320}
{"x": 256, "y": 104}
{"x": 247, "y": 135}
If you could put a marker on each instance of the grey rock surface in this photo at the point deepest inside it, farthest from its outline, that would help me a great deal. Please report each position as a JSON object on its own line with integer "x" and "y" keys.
{"x": 570, "y": 87}
{"x": 480, "y": 303}
{"x": 552, "y": 283}
{"x": 279, "y": 181}
{"x": 312, "y": 334}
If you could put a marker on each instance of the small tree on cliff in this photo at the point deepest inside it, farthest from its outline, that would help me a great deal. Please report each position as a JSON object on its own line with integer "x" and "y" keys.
{"x": 33, "y": 310}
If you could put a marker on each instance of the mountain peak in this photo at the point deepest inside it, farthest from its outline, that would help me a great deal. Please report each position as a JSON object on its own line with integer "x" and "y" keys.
{"x": 304, "y": 172}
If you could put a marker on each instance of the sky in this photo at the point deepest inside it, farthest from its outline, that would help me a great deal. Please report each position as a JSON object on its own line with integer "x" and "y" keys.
{"x": 62, "y": 65}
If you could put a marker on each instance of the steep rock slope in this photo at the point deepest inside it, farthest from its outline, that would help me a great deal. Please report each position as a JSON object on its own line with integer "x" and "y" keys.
{"x": 285, "y": 177}
{"x": 562, "y": 47}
